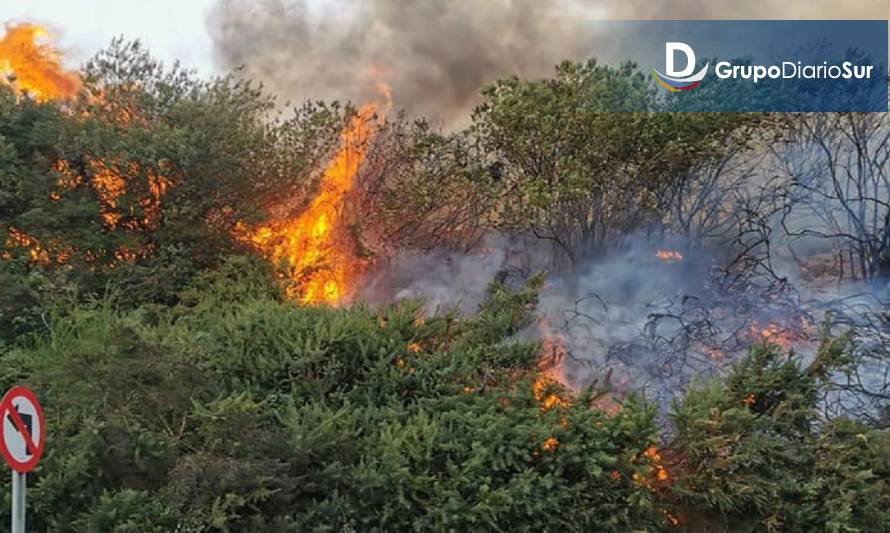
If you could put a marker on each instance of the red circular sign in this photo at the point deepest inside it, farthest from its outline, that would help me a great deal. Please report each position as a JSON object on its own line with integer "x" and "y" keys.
{"x": 22, "y": 429}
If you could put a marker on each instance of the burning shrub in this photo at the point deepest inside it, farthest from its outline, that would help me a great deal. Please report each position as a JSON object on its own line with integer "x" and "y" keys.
{"x": 234, "y": 408}
{"x": 754, "y": 454}
{"x": 141, "y": 181}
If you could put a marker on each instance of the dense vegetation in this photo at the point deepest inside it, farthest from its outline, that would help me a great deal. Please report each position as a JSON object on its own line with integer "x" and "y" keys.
{"x": 185, "y": 392}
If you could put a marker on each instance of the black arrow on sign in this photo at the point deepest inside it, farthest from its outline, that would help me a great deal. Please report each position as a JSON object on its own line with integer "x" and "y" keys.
{"x": 27, "y": 423}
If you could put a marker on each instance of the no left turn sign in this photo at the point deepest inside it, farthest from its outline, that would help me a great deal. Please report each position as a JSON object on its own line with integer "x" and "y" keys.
{"x": 24, "y": 432}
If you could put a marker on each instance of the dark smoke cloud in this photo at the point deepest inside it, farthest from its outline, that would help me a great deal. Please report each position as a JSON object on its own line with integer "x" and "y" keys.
{"x": 435, "y": 54}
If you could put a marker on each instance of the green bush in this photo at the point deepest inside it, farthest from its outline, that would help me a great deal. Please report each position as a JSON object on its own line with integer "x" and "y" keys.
{"x": 235, "y": 410}
{"x": 757, "y": 457}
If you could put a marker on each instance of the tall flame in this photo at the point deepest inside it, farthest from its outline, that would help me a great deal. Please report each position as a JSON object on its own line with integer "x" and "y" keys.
{"x": 34, "y": 68}
{"x": 322, "y": 263}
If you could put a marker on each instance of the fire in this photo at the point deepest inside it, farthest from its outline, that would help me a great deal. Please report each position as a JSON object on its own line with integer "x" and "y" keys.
{"x": 550, "y": 374}
{"x": 716, "y": 355}
{"x": 543, "y": 391}
{"x": 669, "y": 255}
{"x": 785, "y": 336}
{"x": 109, "y": 186}
{"x": 774, "y": 335}
{"x": 34, "y": 68}
{"x": 312, "y": 245}
{"x": 46, "y": 253}
{"x": 20, "y": 239}
{"x": 109, "y": 179}
{"x": 658, "y": 474}
{"x": 654, "y": 456}
{"x": 550, "y": 444}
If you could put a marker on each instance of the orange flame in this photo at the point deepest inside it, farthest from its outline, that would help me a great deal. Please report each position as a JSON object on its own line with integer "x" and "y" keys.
{"x": 658, "y": 475}
{"x": 324, "y": 266}
{"x": 20, "y": 239}
{"x": 546, "y": 388}
{"x": 774, "y": 334}
{"x": 109, "y": 180}
{"x": 46, "y": 253}
{"x": 669, "y": 255}
{"x": 33, "y": 68}
{"x": 785, "y": 336}
{"x": 543, "y": 389}
{"x": 550, "y": 444}
{"x": 109, "y": 186}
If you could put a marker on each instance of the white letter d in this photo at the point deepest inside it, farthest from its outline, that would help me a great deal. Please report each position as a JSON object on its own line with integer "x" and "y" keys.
{"x": 669, "y": 51}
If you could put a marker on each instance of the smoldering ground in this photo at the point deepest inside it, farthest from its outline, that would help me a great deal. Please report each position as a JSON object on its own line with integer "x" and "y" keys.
{"x": 612, "y": 313}
{"x": 634, "y": 319}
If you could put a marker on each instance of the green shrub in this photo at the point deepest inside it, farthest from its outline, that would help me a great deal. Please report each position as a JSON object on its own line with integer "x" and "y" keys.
{"x": 235, "y": 410}
{"x": 757, "y": 457}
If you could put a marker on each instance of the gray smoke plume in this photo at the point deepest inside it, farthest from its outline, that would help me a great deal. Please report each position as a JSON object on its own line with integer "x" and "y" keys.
{"x": 435, "y": 55}
{"x": 443, "y": 280}
{"x": 634, "y": 320}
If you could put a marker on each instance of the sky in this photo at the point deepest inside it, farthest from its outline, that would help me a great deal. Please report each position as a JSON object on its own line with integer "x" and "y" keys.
{"x": 177, "y": 29}
{"x": 172, "y": 29}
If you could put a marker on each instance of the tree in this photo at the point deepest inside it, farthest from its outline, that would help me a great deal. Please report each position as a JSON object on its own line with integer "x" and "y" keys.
{"x": 586, "y": 159}
{"x": 421, "y": 188}
{"x": 146, "y": 179}
{"x": 837, "y": 187}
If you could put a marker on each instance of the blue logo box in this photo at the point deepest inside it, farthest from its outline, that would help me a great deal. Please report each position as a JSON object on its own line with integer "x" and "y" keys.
{"x": 755, "y": 65}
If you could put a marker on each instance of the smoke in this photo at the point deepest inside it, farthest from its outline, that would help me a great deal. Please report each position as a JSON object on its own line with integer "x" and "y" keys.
{"x": 604, "y": 313}
{"x": 632, "y": 321}
{"x": 627, "y": 317}
{"x": 435, "y": 55}
{"x": 442, "y": 279}
{"x": 601, "y": 312}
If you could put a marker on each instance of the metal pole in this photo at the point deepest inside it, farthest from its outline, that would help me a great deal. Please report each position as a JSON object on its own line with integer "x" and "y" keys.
{"x": 18, "y": 502}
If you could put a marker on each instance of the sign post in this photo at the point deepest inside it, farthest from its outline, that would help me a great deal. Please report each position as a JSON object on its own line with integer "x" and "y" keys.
{"x": 18, "y": 502}
{"x": 21, "y": 444}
